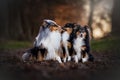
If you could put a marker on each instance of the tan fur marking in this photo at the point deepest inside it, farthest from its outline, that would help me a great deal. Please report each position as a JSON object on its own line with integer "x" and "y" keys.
{"x": 69, "y": 30}
{"x": 53, "y": 28}
{"x": 69, "y": 45}
{"x": 83, "y": 47}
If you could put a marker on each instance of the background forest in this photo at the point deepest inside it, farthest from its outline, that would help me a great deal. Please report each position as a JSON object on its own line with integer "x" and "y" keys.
{"x": 20, "y": 21}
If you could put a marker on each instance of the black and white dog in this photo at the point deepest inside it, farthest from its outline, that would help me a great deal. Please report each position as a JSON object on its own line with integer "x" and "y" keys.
{"x": 48, "y": 41}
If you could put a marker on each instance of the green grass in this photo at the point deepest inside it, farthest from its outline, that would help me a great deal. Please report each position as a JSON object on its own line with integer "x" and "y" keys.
{"x": 111, "y": 43}
{"x": 14, "y": 45}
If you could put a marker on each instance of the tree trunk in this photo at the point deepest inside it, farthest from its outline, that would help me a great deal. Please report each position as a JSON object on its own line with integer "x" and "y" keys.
{"x": 116, "y": 18}
{"x": 90, "y": 21}
{"x": 4, "y": 19}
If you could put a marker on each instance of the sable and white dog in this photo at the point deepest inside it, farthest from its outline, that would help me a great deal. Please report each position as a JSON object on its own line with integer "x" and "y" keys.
{"x": 48, "y": 42}
{"x": 49, "y": 38}
{"x": 67, "y": 42}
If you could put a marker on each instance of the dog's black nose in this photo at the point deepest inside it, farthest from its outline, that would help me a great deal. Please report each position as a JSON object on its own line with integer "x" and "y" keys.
{"x": 81, "y": 35}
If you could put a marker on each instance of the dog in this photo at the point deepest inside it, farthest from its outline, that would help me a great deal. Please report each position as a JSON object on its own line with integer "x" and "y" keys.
{"x": 49, "y": 38}
{"x": 67, "y": 41}
{"x": 81, "y": 44}
{"x": 43, "y": 34}
{"x": 47, "y": 43}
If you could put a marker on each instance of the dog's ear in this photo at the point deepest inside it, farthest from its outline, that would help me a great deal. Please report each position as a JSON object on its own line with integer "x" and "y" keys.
{"x": 87, "y": 28}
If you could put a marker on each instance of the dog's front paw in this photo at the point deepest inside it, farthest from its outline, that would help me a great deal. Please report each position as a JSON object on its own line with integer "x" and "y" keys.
{"x": 64, "y": 60}
{"x": 76, "y": 59}
{"x": 84, "y": 60}
{"x": 69, "y": 58}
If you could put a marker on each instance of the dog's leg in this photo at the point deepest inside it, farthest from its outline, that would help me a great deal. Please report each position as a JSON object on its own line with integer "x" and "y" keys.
{"x": 85, "y": 58}
{"x": 76, "y": 58}
{"x": 58, "y": 59}
{"x": 69, "y": 48}
{"x": 67, "y": 53}
{"x": 69, "y": 58}
{"x": 63, "y": 53}
{"x": 57, "y": 56}
{"x": 79, "y": 54}
{"x": 64, "y": 60}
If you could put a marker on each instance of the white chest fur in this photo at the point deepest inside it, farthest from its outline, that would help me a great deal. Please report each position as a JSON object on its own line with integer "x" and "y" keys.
{"x": 65, "y": 36}
{"x": 78, "y": 43}
{"x": 53, "y": 45}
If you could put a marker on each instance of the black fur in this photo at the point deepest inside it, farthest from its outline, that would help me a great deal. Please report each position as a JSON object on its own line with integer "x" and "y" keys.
{"x": 35, "y": 50}
{"x": 87, "y": 42}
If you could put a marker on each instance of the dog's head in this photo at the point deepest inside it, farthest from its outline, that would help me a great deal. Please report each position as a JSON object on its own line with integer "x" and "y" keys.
{"x": 69, "y": 27}
{"x": 45, "y": 29}
{"x": 52, "y": 25}
{"x": 82, "y": 31}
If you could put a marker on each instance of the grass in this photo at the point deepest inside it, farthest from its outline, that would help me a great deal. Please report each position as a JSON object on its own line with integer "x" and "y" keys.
{"x": 111, "y": 43}
{"x": 14, "y": 44}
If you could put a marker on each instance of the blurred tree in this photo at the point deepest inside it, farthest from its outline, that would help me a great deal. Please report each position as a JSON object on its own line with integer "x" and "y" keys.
{"x": 14, "y": 19}
{"x": 90, "y": 21}
{"x": 20, "y": 19}
{"x": 116, "y": 18}
{"x": 3, "y": 18}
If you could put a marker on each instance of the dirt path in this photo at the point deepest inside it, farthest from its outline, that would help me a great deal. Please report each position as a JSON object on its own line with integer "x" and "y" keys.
{"x": 12, "y": 68}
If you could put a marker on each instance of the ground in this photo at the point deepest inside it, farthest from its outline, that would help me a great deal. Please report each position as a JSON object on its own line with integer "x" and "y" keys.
{"x": 105, "y": 66}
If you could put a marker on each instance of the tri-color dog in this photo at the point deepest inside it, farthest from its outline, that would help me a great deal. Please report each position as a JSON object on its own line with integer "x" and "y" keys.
{"x": 80, "y": 45}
